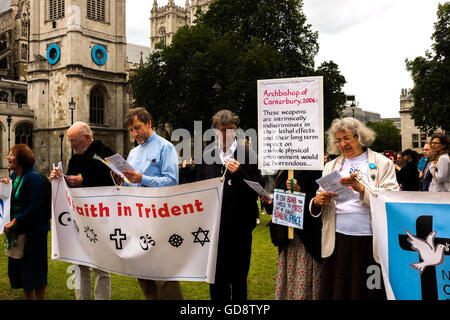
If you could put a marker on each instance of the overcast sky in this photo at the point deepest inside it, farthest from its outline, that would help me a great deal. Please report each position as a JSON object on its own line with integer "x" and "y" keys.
{"x": 368, "y": 39}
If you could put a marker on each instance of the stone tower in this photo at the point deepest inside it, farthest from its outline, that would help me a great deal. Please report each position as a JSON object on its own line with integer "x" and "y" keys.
{"x": 166, "y": 20}
{"x": 77, "y": 54}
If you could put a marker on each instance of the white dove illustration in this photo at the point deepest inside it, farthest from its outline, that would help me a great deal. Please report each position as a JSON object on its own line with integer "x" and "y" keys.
{"x": 430, "y": 254}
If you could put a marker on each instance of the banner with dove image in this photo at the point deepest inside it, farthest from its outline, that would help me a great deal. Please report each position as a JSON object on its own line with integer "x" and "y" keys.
{"x": 412, "y": 231}
{"x": 168, "y": 233}
{"x": 5, "y": 193}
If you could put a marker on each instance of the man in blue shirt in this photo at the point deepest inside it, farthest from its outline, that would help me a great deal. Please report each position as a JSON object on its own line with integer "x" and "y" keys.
{"x": 156, "y": 163}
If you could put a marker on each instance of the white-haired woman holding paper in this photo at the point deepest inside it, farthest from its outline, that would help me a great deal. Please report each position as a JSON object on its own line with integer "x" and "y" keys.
{"x": 348, "y": 244}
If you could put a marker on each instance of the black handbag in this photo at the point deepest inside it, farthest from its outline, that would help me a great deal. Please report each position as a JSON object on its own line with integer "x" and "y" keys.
{"x": 278, "y": 234}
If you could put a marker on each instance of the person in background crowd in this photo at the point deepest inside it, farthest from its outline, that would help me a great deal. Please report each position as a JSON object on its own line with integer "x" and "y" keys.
{"x": 399, "y": 163}
{"x": 29, "y": 216}
{"x": 187, "y": 171}
{"x": 239, "y": 207}
{"x": 84, "y": 171}
{"x": 299, "y": 260}
{"x": 425, "y": 175}
{"x": 408, "y": 176}
{"x": 423, "y": 160}
{"x": 440, "y": 166}
{"x": 348, "y": 243}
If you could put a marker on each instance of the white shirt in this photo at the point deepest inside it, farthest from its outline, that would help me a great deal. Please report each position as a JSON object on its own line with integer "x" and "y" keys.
{"x": 351, "y": 217}
{"x": 229, "y": 153}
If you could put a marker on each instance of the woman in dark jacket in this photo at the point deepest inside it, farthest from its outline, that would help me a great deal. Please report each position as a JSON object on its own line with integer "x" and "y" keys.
{"x": 299, "y": 260}
{"x": 408, "y": 176}
{"x": 29, "y": 216}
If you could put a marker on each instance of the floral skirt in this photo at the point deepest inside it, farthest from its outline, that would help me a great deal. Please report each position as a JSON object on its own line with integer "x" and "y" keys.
{"x": 298, "y": 274}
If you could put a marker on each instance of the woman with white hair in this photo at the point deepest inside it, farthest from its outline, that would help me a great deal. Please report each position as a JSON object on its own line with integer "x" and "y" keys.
{"x": 348, "y": 244}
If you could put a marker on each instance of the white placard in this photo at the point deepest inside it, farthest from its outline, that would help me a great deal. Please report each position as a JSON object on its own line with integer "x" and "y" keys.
{"x": 288, "y": 208}
{"x": 290, "y": 124}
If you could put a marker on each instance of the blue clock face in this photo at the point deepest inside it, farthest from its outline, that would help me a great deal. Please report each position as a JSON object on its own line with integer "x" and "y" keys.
{"x": 99, "y": 54}
{"x": 53, "y": 53}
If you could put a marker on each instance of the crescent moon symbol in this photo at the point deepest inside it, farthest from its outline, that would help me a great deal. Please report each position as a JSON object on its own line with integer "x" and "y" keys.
{"x": 60, "y": 218}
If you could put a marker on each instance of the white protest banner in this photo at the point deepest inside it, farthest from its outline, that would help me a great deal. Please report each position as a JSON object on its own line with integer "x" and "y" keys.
{"x": 412, "y": 231}
{"x": 5, "y": 193}
{"x": 290, "y": 124}
{"x": 166, "y": 233}
{"x": 288, "y": 208}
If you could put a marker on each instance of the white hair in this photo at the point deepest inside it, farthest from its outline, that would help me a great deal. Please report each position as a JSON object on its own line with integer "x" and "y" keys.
{"x": 83, "y": 127}
{"x": 366, "y": 136}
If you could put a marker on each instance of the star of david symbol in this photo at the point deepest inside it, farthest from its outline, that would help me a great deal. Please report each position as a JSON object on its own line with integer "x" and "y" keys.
{"x": 90, "y": 234}
{"x": 205, "y": 236}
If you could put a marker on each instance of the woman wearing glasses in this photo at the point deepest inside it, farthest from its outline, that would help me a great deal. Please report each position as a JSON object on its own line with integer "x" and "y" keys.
{"x": 440, "y": 166}
{"x": 348, "y": 244}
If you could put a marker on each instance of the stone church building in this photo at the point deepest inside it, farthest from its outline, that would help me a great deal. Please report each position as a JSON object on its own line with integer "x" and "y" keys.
{"x": 63, "y": 61}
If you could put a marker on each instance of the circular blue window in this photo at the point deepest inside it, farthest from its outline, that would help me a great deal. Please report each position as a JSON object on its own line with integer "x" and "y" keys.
{"x": 99, "y": 54}
{"x": 53, "y": 53}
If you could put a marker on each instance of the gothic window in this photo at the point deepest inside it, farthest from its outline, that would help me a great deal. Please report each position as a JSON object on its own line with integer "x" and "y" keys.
{"x": 56, "y": 9}
{"x": 3, "y": 43}
{"x": 4, "y": 64}
{"x": 415, "y": 140}
{"x": 97, "y": 106}
{"x": 24, "y": 134}
{"x": 21, "y": 99}
{"x": 24, "y": 28}
{"x": 162, "y": 35}
{"x": 3, "y": 96}
{"x": 96, "y": 10}
{"x": 24, "y": 52}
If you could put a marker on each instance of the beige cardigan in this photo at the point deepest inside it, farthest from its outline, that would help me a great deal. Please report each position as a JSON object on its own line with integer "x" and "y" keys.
{"x": 384, "y": 179}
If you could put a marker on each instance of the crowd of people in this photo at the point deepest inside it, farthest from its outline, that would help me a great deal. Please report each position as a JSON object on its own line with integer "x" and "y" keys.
{"x": 327, "y": 259}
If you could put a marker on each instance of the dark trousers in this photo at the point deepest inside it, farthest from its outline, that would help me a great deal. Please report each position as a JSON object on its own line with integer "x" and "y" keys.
{"x": 233, "y": 264}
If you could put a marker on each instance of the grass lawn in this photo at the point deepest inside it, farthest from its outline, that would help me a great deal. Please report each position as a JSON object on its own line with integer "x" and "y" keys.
{"x": 261, "y": 279}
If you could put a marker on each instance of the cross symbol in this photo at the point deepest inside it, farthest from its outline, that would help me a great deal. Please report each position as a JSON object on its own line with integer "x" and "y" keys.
{"x": 117, "y": 236}
{"x": 424, "y": 226}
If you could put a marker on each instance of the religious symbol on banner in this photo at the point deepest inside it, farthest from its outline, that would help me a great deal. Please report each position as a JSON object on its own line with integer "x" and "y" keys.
{"x": 205, "y": 236}
{"x": 424, "y": 226}
{"x": 175, "y": 240}
{"x": 146, "y": 241}
{"x": 61, "y": 219}
{"x": 118, "y": 237}
{"x": 90, "y": 234}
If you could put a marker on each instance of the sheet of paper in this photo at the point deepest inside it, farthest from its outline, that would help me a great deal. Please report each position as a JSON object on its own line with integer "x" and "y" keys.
{"x": 330, "y": 183}
{"x": 119, "y": 162}
{"x": 258, "y": 188}
{"x": 112, "y": 167}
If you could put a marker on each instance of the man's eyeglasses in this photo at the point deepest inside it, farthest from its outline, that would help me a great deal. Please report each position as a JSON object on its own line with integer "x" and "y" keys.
{"x": 346, "y": 139}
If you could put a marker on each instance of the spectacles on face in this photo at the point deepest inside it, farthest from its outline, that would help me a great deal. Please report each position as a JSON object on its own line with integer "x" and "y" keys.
{"x": 346, "y": 139}
{"x": 74, "y": 141}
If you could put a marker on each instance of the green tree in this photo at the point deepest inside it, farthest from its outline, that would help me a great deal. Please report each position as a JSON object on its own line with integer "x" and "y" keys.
{"x": 216, "y": 63}
{"x": 333, "y": 82}
{"x": 431, "y": 75}
{"x": 388, "y": 136}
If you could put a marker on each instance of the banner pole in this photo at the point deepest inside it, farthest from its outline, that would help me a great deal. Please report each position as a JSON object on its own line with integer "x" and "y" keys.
{"x": 290, "y": 229}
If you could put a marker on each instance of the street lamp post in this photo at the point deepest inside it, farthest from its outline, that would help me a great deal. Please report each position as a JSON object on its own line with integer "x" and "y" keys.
{"x": 61, "y": 137}
{"x": 8, "y": 120}
{"x": 72, "y": 105}
{"x": 353, "y": 106}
